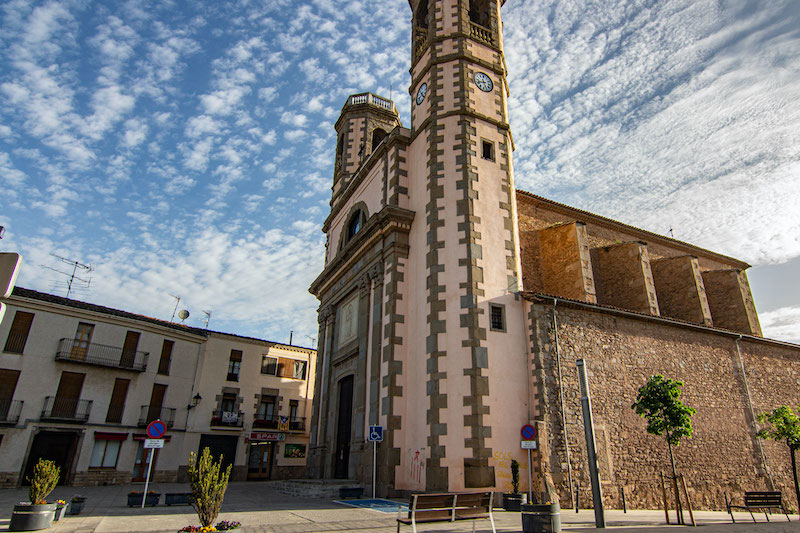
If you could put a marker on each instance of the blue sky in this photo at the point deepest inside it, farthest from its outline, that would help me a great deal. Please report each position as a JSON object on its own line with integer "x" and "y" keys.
{"x": 186, "y": 147}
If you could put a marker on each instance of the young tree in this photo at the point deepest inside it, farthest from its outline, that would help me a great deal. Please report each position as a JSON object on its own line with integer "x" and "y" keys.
{"x": 659, "y": 401}
{"x": 785, "y": 427}
{"x": 208, "y": 484}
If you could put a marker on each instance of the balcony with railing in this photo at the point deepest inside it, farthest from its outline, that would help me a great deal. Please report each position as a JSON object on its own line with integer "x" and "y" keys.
{"x": 10, "y": 411}
{"x": 76, "y": 351}
{"x": 276, "y": 422}
{"x": 481, "y": 33}
{"x": 66, "y": 409}
{"x": 222, "y": 418}
{"x": 151, "y": 413}
{"x": 372, "y": 99}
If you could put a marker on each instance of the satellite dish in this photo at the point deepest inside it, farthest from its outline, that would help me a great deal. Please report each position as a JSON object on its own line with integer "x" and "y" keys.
{"x": 183, "y": 314}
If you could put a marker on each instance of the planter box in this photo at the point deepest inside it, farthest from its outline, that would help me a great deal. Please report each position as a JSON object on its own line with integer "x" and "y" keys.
{"x": 514, "y": 502}
{"x": 541, "y": 518}
{"x": 351, "y": 492}
{"x": 27, "y": 517}
{"x": 61, "y": 510}
{"x": 135, "y": 500}
{"x": 76, "y": 506}
{"x": 177, "y": 498}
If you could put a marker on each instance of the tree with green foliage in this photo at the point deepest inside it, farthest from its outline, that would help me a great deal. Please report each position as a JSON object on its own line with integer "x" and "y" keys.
{"x": 659, "y": 401}
{"x": 785, "y": 426}
{"x": 44, "y": 480}
{"x": 208, "y": 484}
{"x": 515, "y": 476}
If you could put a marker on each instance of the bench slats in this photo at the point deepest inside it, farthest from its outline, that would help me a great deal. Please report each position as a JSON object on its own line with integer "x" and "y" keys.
{"x": 447, "y": 507}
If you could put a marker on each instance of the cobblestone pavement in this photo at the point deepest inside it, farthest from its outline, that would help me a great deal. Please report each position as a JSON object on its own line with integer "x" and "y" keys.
{"x": 263, "y": 510}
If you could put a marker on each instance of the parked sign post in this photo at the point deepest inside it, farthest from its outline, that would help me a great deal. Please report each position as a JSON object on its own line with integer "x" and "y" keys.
{"x": 528, "y": 433}
{"x": 374, "y": 436}
{"x": 155, "y": 432}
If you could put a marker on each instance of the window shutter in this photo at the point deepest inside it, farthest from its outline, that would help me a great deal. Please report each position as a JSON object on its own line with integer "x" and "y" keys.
{"x": 117, "y": 404}
{"x": 8, "y": 383}
{"x": 236, "y": 355}
{"x": 166, "y": 357}
{"x": 18, "y": 334}
{"x": 129, "y": 348}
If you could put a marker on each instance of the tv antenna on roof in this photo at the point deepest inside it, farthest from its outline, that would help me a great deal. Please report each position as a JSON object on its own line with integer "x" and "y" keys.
{"x": 177, "y": 301}
{"x": 183, "y": 314}
{"x": 73, "y": 276}
{"x": 208, "y": 316}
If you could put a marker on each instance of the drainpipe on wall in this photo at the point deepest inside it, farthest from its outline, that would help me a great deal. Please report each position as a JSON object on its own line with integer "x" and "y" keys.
{"x": 753, "y": 415}
{"x": 561, "y": 400}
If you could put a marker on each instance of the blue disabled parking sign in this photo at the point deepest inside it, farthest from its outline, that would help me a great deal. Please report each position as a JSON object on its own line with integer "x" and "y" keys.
{"x": 375, "y": 434}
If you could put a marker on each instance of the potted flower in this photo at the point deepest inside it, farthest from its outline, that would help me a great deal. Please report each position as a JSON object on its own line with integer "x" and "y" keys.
{"x": 224, "y": 525}
{"x": 38, "y": 514}
{"x": 76, "y": 505}
{"x": 61, "y": 509}
{"x": 513, "y": 501}
{"x": 150, "y": 500}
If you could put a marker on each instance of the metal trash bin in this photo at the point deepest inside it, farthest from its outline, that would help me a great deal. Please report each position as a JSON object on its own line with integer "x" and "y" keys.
{"x": 541, "y": 518}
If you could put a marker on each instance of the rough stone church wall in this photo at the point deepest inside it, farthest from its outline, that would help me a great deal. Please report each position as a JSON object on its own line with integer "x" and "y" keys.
{"x": 622, "y": 352}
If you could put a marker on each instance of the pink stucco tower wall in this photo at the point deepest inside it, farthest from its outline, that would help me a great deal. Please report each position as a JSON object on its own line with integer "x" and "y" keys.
{"x": 464, "y": 255}
{"x": 422, "y": 328}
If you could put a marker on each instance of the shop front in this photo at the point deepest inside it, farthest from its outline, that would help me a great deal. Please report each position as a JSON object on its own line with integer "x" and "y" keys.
{"x": 261, "y": 453}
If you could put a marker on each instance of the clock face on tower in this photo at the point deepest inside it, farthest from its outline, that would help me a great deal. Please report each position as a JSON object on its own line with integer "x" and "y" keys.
{"x": 484, "y": 82}
{"x": 423, "y": 90}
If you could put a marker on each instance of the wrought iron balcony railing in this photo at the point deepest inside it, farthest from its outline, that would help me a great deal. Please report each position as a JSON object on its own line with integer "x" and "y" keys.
{"x": 10, "y": 411}
{"x": 66, "y": 409}
{"x": 99, "y": 354}
{"x": 227, "y": 418}
{"x": 276, "y": 422}
{"x": 150, "y": 413}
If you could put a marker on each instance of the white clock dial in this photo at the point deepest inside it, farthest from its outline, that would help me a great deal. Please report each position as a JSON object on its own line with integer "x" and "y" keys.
{"x": 484, "y": 82}
{"x": 423, "y": 90}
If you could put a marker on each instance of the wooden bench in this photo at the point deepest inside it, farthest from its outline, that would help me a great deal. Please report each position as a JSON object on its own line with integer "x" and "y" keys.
{"x": 758, "y": 500}
{"x": 447, "y": 507}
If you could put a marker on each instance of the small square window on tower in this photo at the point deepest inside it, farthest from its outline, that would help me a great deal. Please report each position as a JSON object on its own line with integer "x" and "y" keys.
{"x": 497, "y": 317}
{"x": 487, "y": 149}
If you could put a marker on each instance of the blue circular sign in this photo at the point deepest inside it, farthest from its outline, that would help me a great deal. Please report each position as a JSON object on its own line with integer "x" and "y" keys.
{"x": 156, "y": 429}
{"x": 528, "y": 432}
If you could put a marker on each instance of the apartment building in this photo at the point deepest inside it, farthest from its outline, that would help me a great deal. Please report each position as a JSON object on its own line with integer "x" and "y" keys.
{"x": 80, "y": 382}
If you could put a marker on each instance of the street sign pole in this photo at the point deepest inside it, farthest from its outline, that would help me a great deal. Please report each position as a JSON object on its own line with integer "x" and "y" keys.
{"x": 147, "y": 480}
{"x": 375, "y": 436}
{"x": 530, "y": 477}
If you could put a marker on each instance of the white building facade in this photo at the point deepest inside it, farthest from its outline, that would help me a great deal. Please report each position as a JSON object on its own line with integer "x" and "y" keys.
{"x": 79, "y": 383}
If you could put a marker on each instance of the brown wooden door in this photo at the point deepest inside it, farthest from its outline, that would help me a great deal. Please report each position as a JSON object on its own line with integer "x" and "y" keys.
{"x": 18, "y": 334}
{"x": 156, "y": 402}
{"x": 8, "y": 384}
{"x": 68, "y": 394}
{"x": 117, "y": 404}
{"x": 129, "y": 349}
{"x": 142, "y": 459}
{"x": 83, "y": 337}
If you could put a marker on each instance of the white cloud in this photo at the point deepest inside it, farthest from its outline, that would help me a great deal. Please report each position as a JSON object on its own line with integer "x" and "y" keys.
{"x": 782, "y": 324}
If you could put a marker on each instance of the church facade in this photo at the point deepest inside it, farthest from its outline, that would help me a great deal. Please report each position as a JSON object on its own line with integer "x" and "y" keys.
{"x": 453, "y": 307}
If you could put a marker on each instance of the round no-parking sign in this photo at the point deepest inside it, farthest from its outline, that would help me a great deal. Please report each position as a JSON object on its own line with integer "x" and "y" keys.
{"x": 528, "y": 432}
{"x": 156, "y": 429}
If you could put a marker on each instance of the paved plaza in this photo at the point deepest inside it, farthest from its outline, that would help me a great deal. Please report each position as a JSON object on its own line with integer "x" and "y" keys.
{"x": 261, "y": 509}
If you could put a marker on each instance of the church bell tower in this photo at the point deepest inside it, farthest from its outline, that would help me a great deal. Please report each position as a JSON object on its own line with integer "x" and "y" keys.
{"x": 462, "y": 188}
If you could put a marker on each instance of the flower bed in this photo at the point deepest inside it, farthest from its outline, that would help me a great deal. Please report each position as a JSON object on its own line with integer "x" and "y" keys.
{"x": 224, "y": 525}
